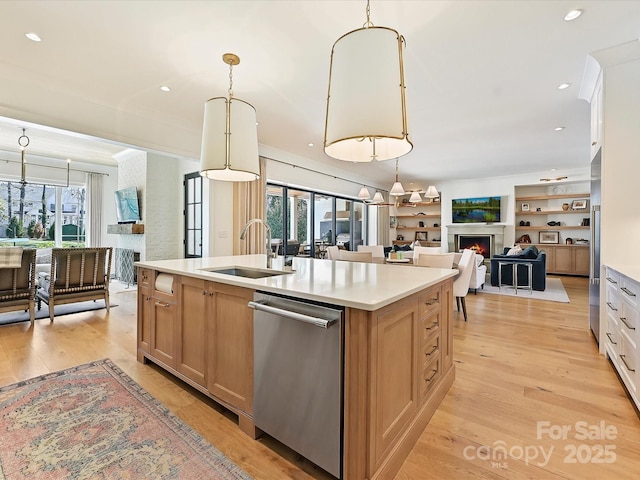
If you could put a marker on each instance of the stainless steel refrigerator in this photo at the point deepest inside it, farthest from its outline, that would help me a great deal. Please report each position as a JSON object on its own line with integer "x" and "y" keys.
{"x": 594, "y": 272}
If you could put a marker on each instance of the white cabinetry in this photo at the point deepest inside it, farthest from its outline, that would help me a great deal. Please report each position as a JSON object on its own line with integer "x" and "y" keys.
{"x": 621, "y": 328}
{"x": 596, "y": 117}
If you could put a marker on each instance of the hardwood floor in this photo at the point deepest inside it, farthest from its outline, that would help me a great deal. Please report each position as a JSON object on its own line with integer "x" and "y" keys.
{"x": 518, "y": 362}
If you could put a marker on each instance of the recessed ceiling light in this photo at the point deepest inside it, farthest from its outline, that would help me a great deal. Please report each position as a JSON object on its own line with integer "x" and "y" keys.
{"x": 557, "y": 129}
{"x": 562, "y": 86}
{"x": 33, "y": 36}
{"x": 310, "y": 144}
{"x": 572, "y": 15}
{"x": 164, "y": 88}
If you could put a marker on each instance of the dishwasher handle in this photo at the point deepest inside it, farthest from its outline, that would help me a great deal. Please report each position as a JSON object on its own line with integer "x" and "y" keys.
{"x": 318, "y": 322}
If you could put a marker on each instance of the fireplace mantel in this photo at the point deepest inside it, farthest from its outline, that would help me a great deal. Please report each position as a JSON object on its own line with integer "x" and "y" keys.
{"x": 496, "y": 231}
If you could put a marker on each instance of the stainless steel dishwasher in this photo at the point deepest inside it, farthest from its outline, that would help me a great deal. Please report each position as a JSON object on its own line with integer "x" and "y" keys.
{"x": 298, "y": 370}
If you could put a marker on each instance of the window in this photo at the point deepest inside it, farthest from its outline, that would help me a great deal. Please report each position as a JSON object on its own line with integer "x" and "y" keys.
{"x": 28, "y": 214}
{"x": 311, "y": 219}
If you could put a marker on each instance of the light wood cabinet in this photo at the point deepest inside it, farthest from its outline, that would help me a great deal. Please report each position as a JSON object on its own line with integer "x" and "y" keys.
{"x": 193, "y": 310}
{"x": 230, "y": 339}
{"x": 144, "y": 319}
{"x": 567, "y": 259}
{"x": 164, "y": 328}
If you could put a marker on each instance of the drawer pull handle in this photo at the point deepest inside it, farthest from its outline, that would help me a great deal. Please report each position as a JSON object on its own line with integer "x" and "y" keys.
{"x": 611, "y": 339}
{"x": 610, "y": 305}
{"x": 433, "y": 350}
{"x": 628, "y": 292}
{"x": 204, "y": 292}
{"x": 611, "y": 280}
{"x": 433, "y": 325}
{"x": 431, "y": 301}
{"x": 624, "y": 320}
{"x": 433, "y": 374}
{"x": 161, "y": 304}
{"x": 622, "y": 357}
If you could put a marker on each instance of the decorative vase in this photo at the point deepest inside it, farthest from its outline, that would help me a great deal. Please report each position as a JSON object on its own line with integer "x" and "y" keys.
{"x": 565, "y": 206}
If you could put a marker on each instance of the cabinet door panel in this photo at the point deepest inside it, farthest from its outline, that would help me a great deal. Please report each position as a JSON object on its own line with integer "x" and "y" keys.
{"x": 163, "y": 337}
{"x": 395, "y": 389}
{"x": 230, "y": 333}
{"x": 192, "y": 352}
{"x": 563, "y": 260}
{"x": 144, "y": 318}
{"x": 582, "y": 260}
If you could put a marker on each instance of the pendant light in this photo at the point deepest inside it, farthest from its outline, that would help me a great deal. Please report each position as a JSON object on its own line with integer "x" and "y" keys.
{"x": 378, "y": 198}
{"x": 366, "y": 111}
{"x": 396, "y": 189}
{"x": 415, "y": 197}
{"x": 23, "y": 142}
{"x": 229, "y": 136}
{"x": 364, "y": 193}
{"x": 431, "y": 192}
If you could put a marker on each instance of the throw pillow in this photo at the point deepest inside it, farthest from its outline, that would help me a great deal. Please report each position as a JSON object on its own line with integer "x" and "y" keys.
{"x": 517, "y": 250}
{"x": 530, "y": 253}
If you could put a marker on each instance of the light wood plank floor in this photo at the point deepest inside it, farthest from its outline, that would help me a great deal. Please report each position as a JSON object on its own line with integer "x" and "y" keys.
{"x": 518, "y": 362}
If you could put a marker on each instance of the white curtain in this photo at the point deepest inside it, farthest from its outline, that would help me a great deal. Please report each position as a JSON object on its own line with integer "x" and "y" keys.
{"x": 250, "y": 201}
{"x": 94, "y": 210}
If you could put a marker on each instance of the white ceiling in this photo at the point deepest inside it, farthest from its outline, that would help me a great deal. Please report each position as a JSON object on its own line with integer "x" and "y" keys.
{"x": 481, "y": 77}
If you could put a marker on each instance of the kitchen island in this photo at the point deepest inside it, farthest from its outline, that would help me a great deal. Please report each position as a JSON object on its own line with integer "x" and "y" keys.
{"x": 398, "y": 365}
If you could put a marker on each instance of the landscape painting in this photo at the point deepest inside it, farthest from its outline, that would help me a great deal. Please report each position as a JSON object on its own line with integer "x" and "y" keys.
{"x": 476, "y": 210}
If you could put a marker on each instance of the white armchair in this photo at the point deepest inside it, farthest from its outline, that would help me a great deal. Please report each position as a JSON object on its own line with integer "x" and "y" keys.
{"x": 478, "y": 274}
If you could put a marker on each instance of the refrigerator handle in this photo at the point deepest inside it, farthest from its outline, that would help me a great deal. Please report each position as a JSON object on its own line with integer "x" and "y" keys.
{"x": 595, "y": 280}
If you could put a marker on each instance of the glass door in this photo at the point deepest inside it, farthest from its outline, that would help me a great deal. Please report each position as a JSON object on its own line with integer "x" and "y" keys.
{"x": 192, "y": 215}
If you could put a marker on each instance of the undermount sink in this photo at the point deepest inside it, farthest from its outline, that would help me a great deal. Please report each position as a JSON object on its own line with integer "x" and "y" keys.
{"x": 246, "y": 272}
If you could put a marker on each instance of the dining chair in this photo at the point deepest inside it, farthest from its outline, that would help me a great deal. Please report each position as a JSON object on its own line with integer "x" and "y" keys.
{"x": 376, "y": 250}
{"x": 417, "y": 250}
{"x": 461, "y": 282}
{"x": 348, "y": 256}
{"x": 333, "y": 252}
{"x": 438, "y": 260}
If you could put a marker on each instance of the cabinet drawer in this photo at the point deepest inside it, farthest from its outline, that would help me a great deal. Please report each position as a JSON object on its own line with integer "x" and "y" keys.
{"x": 613, "y": 301}
{"x": 429, "y": 301}
{"x": 612, "y": 337}
{"x": 629, "y": 365}
{"x": 629, "y": 321}
{"x": 612, "y": 277}
{"x": 430, "y": 326}
{"x": 430, "y": 351}
{"x": 430, "y": 376}
{"x": 629, "y": 290}
{"x": 145, "y": 276}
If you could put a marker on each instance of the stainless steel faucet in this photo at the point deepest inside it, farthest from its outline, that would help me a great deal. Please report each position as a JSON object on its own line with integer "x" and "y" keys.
{"x": 267, "y": 229}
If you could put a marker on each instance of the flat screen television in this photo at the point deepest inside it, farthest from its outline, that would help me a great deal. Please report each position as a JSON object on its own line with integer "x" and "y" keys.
{"x": 476, "y": 210}
{"x": 127, "y": 205}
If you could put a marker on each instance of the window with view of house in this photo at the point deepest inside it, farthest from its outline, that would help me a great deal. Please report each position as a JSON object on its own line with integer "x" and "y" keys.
{"x": 28, "y": 213}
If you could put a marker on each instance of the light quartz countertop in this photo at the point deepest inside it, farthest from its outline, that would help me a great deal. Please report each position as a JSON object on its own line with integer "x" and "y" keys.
{"x": 366, "y": 286}
{"x": 630, "y": 271}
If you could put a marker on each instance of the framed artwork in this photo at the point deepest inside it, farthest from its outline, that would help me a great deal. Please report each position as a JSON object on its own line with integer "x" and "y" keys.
{"x": 549, "y": 237}
{"x": 393, "y": 221}
{"x": 525, "y": 207}
{"x": 578, "y": 205}
{"x": 421, "y": 236}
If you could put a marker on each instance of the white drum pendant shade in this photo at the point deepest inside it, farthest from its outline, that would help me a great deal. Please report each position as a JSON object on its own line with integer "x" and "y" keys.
{"x": 232, "y": 157}
{"x": 366, "y": 111}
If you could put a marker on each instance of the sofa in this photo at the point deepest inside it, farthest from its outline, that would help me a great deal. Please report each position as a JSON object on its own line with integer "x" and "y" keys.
{"x": 537, "y": 258}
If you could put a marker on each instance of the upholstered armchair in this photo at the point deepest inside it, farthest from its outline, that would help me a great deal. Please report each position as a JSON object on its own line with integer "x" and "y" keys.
{"x": 18, "y": 285}
{"x": 77, "y": 275}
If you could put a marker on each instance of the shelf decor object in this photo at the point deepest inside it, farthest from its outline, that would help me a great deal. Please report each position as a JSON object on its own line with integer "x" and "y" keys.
{"x": 229, "y": 136}
{"x": 366, "y": 115}
{"x": 549, "y": 237}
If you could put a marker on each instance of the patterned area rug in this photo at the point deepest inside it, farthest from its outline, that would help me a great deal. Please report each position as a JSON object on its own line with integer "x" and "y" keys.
{"x": 93, "y": 421}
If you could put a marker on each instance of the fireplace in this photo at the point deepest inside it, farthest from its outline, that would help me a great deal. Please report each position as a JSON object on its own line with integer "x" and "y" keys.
{"x": 494, "y": 232}
{"x": 481, "y": 244}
